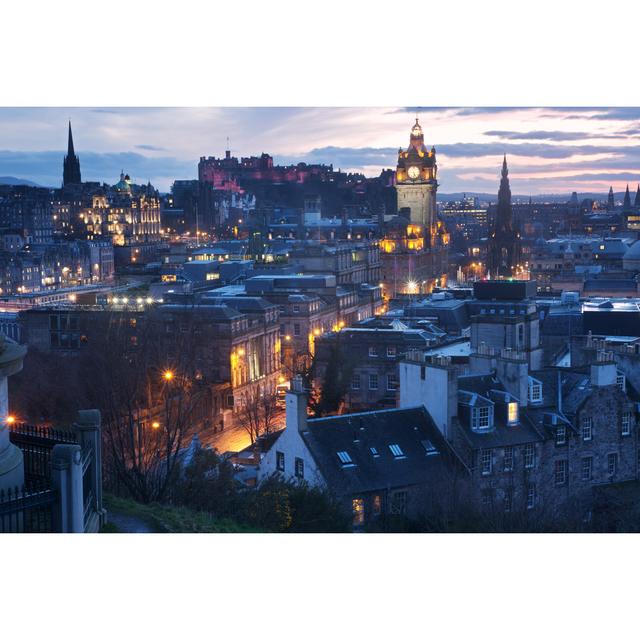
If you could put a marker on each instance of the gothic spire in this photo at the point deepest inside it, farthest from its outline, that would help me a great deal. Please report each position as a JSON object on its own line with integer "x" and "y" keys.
{"x": 610, "y": 200}
{"x": 70, "y": 150}
{"x": 626, "y": 205}
{"x": 71, "y": 164}
{"x": 636, "y": 202}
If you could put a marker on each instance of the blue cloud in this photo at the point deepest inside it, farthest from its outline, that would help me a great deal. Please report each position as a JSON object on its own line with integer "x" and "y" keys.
{"x": 45, "y": 167}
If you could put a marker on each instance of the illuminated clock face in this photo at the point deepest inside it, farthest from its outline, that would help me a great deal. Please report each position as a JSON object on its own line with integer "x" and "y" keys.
{"x": 413, "y": 172}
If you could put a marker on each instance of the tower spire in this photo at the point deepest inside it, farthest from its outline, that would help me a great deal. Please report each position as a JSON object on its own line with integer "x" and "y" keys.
{"x": 626, "y": 205}
{"x": 636, "y": 202}
{"x": 71, "y": 164}
{"x": 70, "y": 150}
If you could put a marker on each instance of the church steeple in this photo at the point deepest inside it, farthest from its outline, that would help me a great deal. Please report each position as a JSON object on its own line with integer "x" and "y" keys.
{"x": 610, "y": 200}
{"x": 626, "y": 205}
{"x": 70, "y": 150}
{"x": 636, "y": 202}
{"x": 71, "y": 165}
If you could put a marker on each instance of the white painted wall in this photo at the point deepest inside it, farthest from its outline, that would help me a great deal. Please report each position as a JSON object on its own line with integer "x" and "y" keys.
{"x": 432, "y": 392}
{"x": 293, "y": 446}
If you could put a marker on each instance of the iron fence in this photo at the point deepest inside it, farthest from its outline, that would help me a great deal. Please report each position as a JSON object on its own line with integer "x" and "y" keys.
{"x": 28, "y": 509}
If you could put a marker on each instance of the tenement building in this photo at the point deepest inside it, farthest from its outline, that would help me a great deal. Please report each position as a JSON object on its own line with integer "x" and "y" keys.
{"x": 538, "y": 442}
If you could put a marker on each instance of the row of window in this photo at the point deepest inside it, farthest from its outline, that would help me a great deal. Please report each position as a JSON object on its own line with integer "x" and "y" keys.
{"x": 397, "y": 506}
{"x": 298, "y": 464}
{"x": 487, "y": 497}
{"x": 374, "y": 382}
{"x": 528, "y": 458}
{"x": 587, "y": 428}
{"x": 561, "y": 470}
{"x": 391, "y": 352}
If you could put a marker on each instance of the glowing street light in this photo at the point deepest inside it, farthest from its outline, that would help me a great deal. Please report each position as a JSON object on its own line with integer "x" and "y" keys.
{"x": 155, "y": 424}
{"x": 11, "y": 419}
{"x": 168, "y": 375}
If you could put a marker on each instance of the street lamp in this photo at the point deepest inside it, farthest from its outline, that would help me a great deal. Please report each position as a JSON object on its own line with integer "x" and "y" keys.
{"x": 11, "y": 420}
{"x": 155, "y": 424}
{"x": 168, "y": 375}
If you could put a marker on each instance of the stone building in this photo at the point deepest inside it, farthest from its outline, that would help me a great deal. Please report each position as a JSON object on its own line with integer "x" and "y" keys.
{"x": 537, "y": 442}
{"x": 370, "y": 356}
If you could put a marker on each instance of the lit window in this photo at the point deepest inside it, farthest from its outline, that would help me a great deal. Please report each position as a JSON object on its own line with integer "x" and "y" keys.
{"x": 374, "y": 452}
{"x": 377, "y": 505}
{"x": 626, "y": 423}
{"x": 513, "y": 413}
{"x": 486, "y": 461}
{"x": 587, "y": 468}
{"x": 587, "y": 429}
{"x": 357, "y": 505}
{"x": 391, "y": 352}
{"x": 396, "y": 450}
{"x": 560, "y": 472}
{"x": 344, "y": 457}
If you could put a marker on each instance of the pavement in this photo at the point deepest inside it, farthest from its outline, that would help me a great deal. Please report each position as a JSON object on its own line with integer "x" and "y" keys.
{"x": 234, "y": 437}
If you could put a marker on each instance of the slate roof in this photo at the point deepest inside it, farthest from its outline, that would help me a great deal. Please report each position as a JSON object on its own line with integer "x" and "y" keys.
{"x": 502, "y": 435}
{"x": 356, "y": 434}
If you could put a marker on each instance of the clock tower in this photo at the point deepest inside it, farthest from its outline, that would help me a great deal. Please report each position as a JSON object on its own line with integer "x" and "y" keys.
{"x": 416, "y": 183}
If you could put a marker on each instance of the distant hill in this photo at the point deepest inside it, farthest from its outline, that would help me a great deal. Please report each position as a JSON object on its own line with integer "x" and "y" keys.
{"x": 17, "y": 181}
{"x": 547, "y": 197}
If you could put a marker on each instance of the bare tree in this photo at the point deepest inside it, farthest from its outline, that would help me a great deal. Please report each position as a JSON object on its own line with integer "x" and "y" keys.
{"x": 148, "y": 389}
{"x": 258, "y": 413}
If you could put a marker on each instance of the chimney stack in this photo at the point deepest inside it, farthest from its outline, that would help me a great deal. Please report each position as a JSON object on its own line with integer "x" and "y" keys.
{"x": 296, "y": 406}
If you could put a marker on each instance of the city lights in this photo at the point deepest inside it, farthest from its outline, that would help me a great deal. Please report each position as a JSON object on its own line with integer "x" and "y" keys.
{"x": 168, "y": 375}
{"x": 11, "y": 419}
{"x": 155, "y": 424}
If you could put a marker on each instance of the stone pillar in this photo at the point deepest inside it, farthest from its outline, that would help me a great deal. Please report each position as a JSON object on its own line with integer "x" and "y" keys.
{"x": 66, "y": 476}
{"x": 88, "y": 427}
{"x": 11, "y": 460}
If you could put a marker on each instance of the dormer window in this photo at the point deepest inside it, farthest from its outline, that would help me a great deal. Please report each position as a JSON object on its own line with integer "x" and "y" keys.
{"x": 482, "y": 417}
{"x": 535, "y": 391}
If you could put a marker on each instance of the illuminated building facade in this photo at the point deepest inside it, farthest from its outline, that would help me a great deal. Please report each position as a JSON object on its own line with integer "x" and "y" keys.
{"x": 414, "y": 251}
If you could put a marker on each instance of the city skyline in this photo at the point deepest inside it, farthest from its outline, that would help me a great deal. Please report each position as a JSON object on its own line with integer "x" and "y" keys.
{"x": 550, "y": 149}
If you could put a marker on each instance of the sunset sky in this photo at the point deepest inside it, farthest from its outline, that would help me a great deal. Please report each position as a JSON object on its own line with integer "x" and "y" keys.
{"x": 550, "y": 150}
